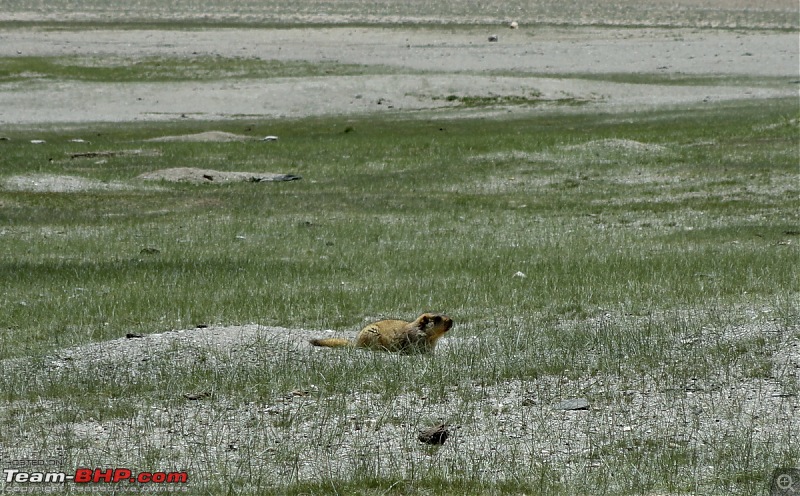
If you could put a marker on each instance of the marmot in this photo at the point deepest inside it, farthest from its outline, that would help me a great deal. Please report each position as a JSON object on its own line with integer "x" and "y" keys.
{"x": 419, "y": 336}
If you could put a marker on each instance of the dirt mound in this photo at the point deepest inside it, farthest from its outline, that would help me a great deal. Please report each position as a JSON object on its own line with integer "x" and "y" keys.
{"x": 625, "y": 145}
{"x": 206, "y": 137}
{"x": 135, "y": 348}
{"x": 206, "y": 176}
{"x": 53, "y": 183}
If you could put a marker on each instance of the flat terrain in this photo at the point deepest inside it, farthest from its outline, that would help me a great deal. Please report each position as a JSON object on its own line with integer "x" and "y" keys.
{"x": 605, "y": 200}
{"x": 393, "y": 69}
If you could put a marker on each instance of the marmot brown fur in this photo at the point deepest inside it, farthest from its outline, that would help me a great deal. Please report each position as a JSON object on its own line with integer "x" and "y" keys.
{"x": 419, "y": 336}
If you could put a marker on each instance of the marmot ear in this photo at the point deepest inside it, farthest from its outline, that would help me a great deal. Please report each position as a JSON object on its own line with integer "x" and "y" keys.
{"x": 423, "y": 320}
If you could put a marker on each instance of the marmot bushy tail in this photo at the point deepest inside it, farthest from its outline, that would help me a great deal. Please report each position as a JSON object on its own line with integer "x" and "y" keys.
{"x": 331, "y": 342}
{"x": 419, "y": 336}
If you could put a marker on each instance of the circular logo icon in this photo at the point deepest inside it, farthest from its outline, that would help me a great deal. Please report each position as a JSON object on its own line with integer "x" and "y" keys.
{"x": 785, "y": 481}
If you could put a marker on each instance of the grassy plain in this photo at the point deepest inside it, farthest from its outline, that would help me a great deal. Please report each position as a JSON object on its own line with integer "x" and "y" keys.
{"x": 659, "y": 252}
{"x": 407, "y": 213}
{"x": 645, "y": 260}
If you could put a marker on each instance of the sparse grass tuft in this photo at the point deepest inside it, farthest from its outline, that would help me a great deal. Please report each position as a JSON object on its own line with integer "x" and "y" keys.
{"x": 168, "y": 69}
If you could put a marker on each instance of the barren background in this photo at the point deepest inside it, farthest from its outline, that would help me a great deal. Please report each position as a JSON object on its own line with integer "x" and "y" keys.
{"x": 694, "y": 13}
{"x": 427, "y": 65}
{"x": 413, "y": 66}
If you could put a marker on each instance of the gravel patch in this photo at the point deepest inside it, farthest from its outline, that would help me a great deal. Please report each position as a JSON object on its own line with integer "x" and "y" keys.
{"x": 433, "y": 64}
{"x": 208, "y": 176}
{"x": 206, "y": 137}
{"x": 623, "y": 145}
{"x": 550, "y": 419}
{"x": 53, "y": 183}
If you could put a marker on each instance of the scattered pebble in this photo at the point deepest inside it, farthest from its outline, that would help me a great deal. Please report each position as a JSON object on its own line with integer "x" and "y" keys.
{"x": 196, "y": 396}
{"x": 437, "y": 434}
{"x": 200, "y": 176}
{"x": 572, "y": 404}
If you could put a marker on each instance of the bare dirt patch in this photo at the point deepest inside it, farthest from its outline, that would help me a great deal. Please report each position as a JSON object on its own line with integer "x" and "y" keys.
{"x": 692, "y": 13}
{"x": 208, "y": 176}
{"x": 206, "y": 137}
{"x": 201, "y": 428}
{"x": 622, "y": 145}
{"x": 423, "y": 66}
{"x": 54, "y": 183}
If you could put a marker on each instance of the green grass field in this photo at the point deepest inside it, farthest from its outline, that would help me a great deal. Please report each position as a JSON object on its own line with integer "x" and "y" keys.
{"x": 649, "y": 250}
{"x": 400, "y": 215}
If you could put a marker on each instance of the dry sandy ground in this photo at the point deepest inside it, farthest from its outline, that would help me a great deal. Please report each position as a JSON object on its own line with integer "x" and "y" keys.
{"x": 427, "y": 64}
{"x": 751, "y": 14}
{"x": 500, "y": 424}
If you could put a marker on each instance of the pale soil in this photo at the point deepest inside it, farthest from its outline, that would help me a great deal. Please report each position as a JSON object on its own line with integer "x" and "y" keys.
{"x": 432, "y": 64}
{"x": 511, "y": 422}
{"x": 208, "y": 176}
{"x": 672, "y": 13}
{"x": 54, "y": 183}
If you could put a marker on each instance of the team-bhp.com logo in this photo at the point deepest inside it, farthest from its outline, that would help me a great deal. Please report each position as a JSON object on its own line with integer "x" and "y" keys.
{"x": 95, "y": 475}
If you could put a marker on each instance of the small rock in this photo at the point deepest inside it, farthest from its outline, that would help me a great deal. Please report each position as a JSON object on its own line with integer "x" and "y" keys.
{"x": 499, "y": 408}
{"x": 437, "y": 434}
{"x": 493, "y": 37}
{"x": 38, "y": 142}
{"x": 573, "y": 404}
{"x": 269, "y": 138}
{"x": 196, "y": 396}
{"x": 133, "y": 335}
{"x": 520, "y": 275}
{"x": 513, "y": 25}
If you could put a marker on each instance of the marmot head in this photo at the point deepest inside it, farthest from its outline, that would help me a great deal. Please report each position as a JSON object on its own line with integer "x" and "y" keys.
{"x": 434, "y": 324}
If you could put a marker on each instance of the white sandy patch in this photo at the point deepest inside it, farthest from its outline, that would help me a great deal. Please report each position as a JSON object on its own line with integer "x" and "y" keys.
{"x": 53, "y": 183}
{"x": 62, "y": 102}
{"x": 623, "y": 145}
{"x": 208, "y": 176}
{"x": 208, "y": 136}
{"x": 457, "y": 62}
